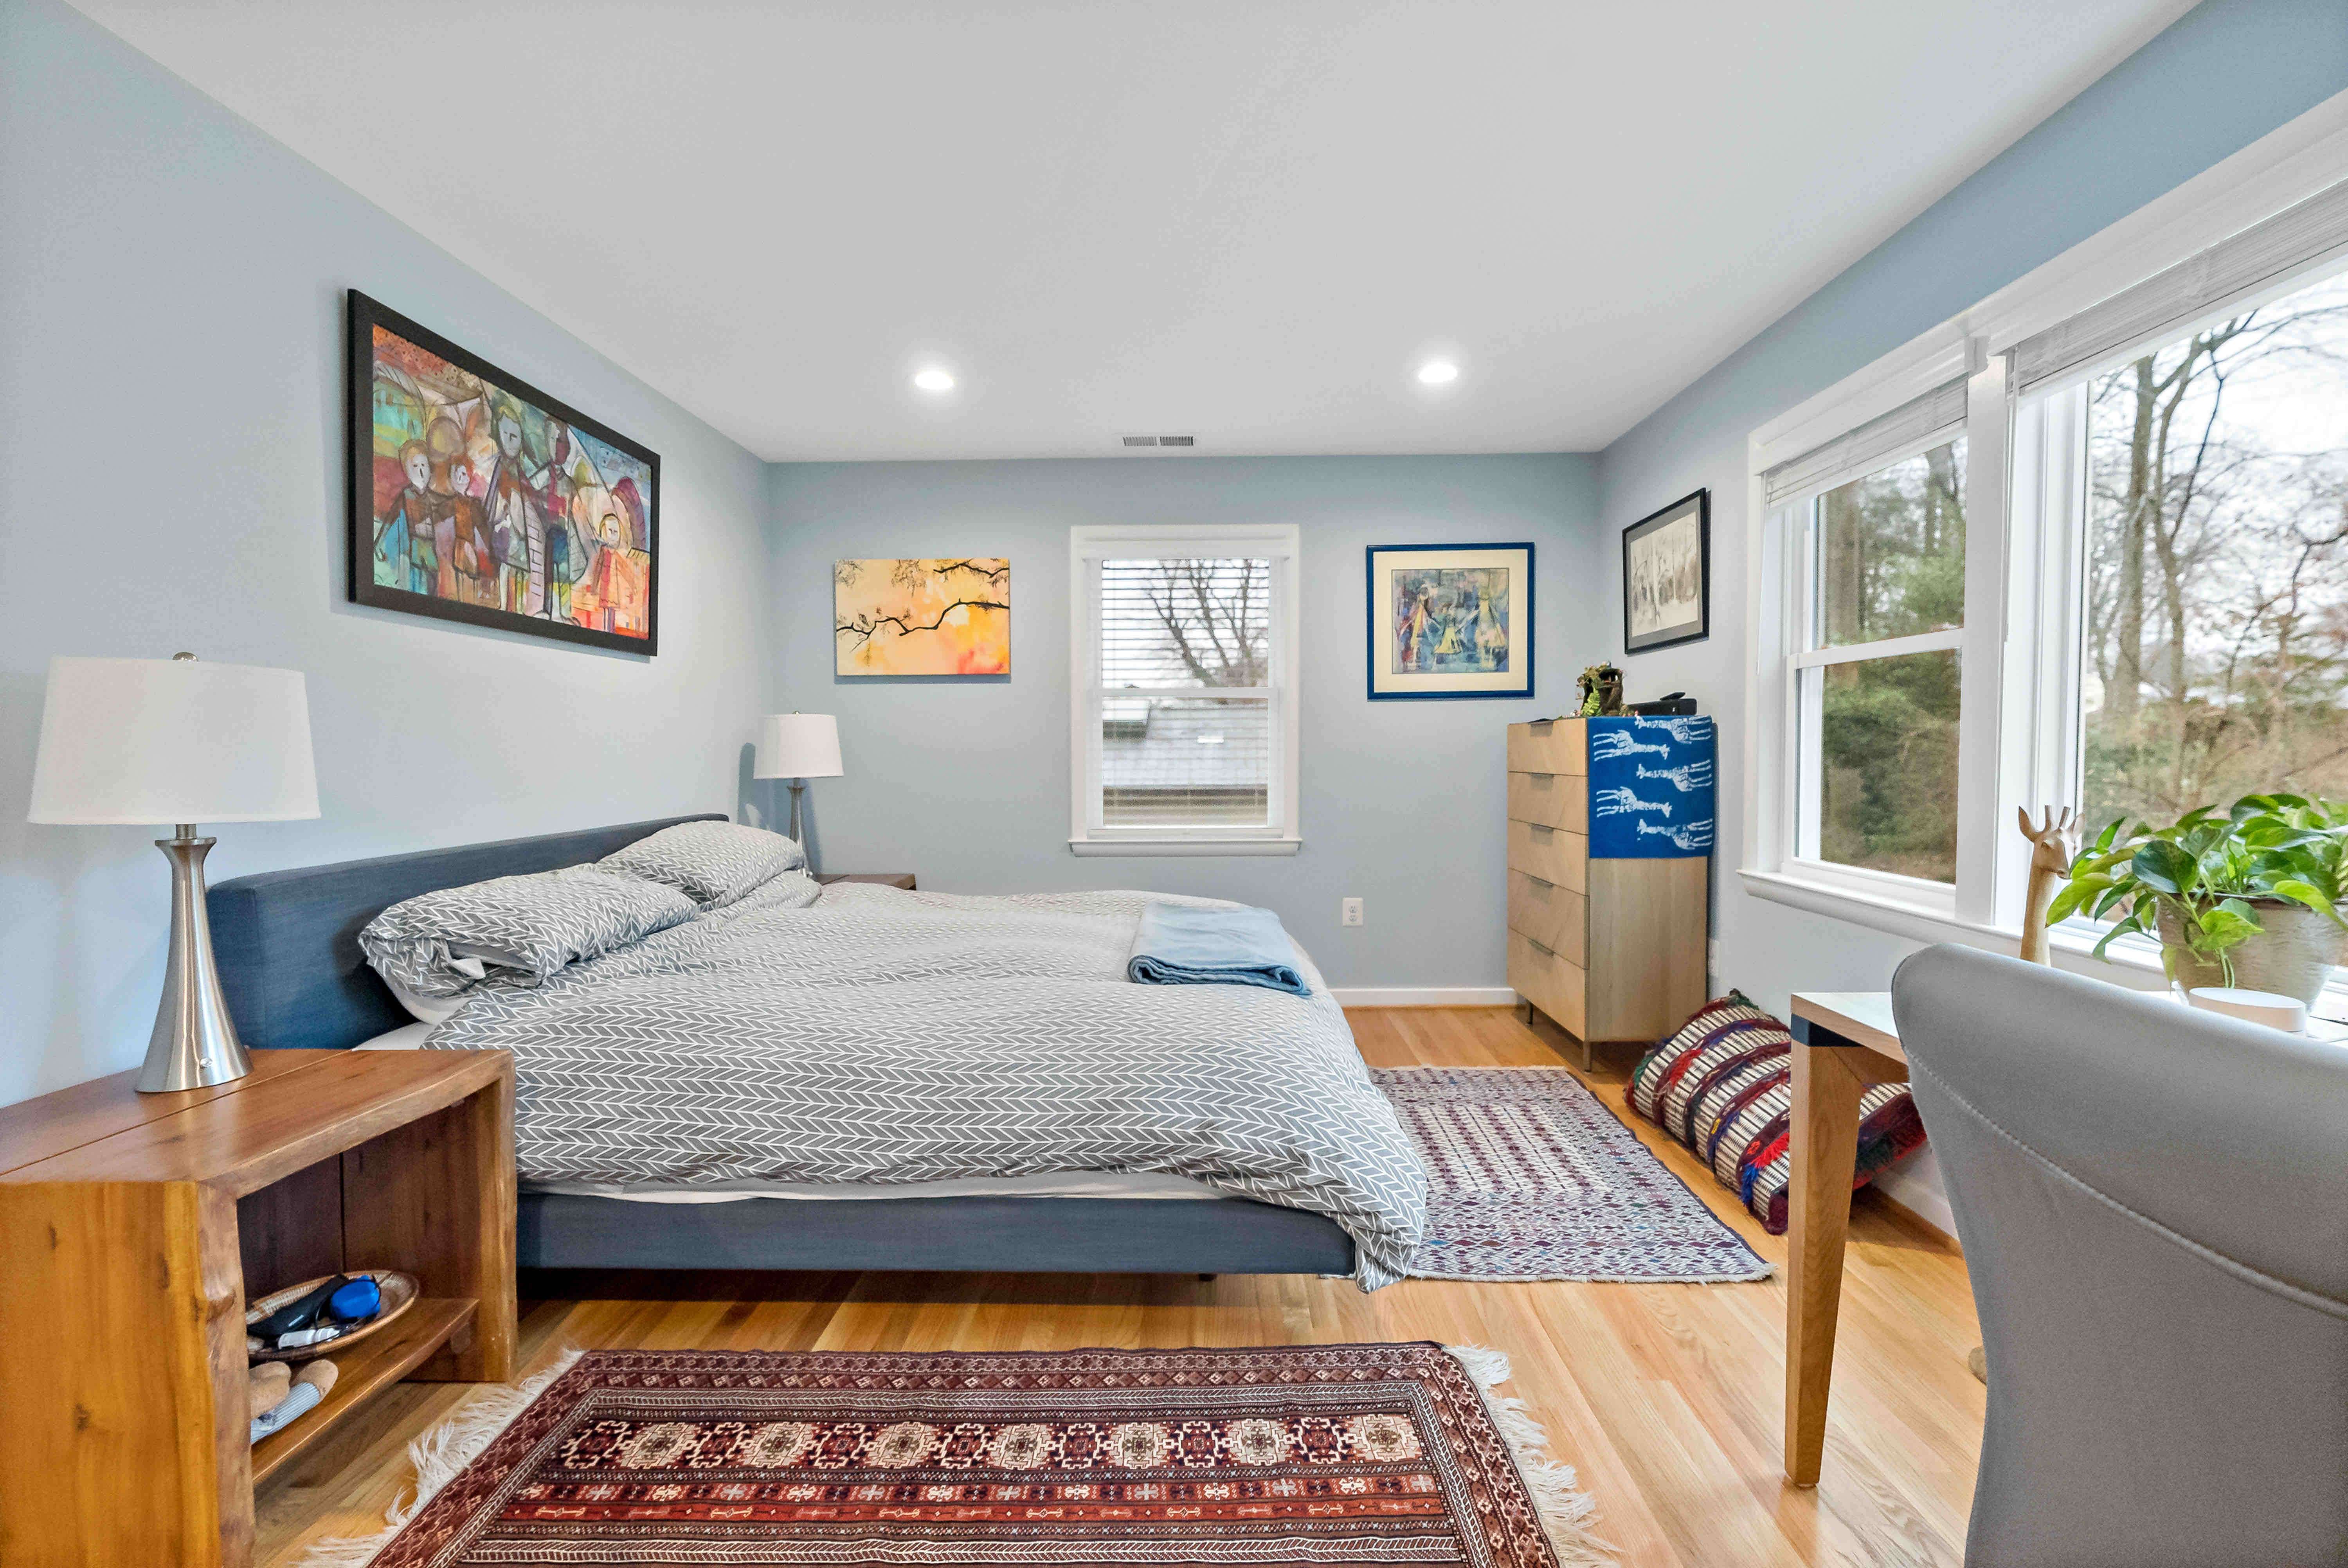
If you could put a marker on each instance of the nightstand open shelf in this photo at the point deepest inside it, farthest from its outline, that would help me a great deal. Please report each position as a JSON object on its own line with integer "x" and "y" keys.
{"x": 134, "y": 1228}
{"x": 366, "y": 1370}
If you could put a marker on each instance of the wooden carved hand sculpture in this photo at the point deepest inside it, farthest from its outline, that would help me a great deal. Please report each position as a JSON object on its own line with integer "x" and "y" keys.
{"x": 2054, "y": 843}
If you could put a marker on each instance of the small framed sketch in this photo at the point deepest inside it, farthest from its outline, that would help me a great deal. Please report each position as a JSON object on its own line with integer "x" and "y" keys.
{"x": 1451, "y": 620}
{"x": 1667, "y": 576}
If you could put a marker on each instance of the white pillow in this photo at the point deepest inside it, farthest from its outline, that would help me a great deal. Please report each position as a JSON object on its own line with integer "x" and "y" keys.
{"x": 435, "y": 947}
{"x": 711, "y": 862}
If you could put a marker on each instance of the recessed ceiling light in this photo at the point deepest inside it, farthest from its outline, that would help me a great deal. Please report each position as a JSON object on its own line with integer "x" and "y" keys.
{"x": 934, "y": 378}
{"x": 1438, "y": 372}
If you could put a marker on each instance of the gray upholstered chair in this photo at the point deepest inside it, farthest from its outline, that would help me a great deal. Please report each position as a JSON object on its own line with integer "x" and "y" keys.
{"x": 2154, "y": 1207}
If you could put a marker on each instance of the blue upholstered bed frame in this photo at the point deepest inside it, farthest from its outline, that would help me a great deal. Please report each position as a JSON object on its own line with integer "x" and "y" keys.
{"x": 291, "y": 966}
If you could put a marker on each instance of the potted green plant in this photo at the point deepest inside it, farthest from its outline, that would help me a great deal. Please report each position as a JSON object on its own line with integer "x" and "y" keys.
{"x": 2250, "y": 897}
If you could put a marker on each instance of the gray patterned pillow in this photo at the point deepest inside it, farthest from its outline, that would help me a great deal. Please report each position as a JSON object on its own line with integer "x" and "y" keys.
{"x": 711, "y": 862}
{"x": 518, "y": 929}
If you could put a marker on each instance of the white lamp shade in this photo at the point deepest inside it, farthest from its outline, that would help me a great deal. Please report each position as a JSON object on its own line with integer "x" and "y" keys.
{"x": 171, "y": 741}
{"x": 799, "y": 746}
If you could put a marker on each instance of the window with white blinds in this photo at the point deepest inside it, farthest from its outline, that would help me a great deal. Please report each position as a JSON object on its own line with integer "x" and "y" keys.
{"x": 1186, "y": 713}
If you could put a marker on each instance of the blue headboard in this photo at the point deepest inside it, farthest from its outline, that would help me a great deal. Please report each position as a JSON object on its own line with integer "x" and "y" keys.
{"x": 288, "y": 941}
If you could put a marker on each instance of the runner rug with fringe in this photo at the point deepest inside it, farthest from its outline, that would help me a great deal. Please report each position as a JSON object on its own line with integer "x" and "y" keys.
{"x": 1529, "y": 1176}
{"x": 1304, "y": 1454}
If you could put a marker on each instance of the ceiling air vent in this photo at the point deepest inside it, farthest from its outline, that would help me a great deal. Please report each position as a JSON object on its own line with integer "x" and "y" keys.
{"x": 1140, "y": 440}
{"x": 1160, "y": 440}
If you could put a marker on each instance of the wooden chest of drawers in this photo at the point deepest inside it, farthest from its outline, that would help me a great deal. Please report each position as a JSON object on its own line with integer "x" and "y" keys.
{"x": 1607, "y": 933}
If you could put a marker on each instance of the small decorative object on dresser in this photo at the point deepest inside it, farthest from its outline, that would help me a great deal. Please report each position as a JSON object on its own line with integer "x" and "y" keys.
{"x": 798, "y": 747}
{"x": 1601, "y": 691}
{"x": 155, "y": 741}
{"x": 1450, "y": 621}
{"x": 133, "y": 1232}
{"x": 1609, "y": 843}
{"x": 1667, "y": 576}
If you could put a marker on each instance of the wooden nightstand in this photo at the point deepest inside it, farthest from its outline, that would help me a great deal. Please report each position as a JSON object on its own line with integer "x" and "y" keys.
{"x": 134, "y": 1226}
{"x": 883, "y": 878}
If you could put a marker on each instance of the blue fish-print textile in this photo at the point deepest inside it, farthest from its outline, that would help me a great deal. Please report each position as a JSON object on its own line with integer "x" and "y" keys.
{"x": 1651, "y": 788}
{"x": 1180, "y": 945}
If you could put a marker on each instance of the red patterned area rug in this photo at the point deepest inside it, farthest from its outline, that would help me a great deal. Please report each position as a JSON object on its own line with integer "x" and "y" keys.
{"x": 1529, "y": 1176}
{"x": 1302, "y": 1454}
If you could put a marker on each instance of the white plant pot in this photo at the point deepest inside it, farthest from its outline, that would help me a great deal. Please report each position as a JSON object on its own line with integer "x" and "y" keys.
{"x": 2291, "y": 955}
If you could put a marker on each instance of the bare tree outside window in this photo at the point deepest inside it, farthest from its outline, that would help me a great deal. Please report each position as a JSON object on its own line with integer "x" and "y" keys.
{"x": 1168, "y": 627}
{"x": 2217, "y": 583}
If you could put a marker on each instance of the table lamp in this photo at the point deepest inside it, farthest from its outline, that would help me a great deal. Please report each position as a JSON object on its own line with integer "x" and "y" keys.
{"x": 798, "y": 747}
{"x": 174, "y": 741}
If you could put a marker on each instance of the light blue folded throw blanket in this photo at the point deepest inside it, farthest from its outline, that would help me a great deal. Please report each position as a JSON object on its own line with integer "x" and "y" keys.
{"x": 1182, "y": 944}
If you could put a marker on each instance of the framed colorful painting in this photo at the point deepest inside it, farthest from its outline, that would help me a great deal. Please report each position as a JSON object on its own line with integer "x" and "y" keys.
{"x": 475, "y": 496}
{"x": 1451, "y": 620}
{"x": 1667, "y": 576}
{"x": 922, "y": 616}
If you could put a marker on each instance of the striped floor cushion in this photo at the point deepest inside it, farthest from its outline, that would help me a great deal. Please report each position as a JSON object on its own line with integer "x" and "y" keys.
{"x": 1723, "y": 1086}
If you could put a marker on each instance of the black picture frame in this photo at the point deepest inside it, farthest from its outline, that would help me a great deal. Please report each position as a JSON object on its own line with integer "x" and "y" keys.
{"x": 364, "y": 317}
{"x": 1378, "y": 629}
{"x": 1697, "y": 504}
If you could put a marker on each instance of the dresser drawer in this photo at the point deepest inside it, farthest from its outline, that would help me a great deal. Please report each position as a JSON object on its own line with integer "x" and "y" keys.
{"x": 1560, "y": 746}
{"x": 1551, "y": 916}
{"x": 1549, "y": 980}
{"x": 1551, "y": 800}
{"x": 1550, "y": 854}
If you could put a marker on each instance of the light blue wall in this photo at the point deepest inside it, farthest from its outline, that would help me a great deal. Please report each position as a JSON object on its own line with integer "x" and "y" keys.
{"x": 170, "y": 361}
{"x": 966, "y": 783}
{"x": 2223, "y": 76}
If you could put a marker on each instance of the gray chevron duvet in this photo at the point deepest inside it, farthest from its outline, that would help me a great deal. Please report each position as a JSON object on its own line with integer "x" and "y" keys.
{"x": 859, "y": 1033}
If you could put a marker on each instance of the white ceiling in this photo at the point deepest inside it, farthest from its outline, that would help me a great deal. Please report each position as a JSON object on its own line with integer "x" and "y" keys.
{"x": 1246, "y": 221}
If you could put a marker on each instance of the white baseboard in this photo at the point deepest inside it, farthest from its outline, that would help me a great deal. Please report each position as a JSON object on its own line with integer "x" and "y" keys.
{"x": 1424, "y": 996}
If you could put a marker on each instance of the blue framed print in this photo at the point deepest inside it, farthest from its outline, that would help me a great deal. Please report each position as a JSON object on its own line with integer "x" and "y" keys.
{"x": 1450, "y": 621}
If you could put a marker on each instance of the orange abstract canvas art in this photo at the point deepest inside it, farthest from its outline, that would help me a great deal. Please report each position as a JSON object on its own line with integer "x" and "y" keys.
{"x": 922, "y": 616}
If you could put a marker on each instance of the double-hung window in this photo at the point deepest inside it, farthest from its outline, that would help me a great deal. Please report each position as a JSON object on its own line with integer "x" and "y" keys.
{"x": 1184, "y": 718}
{"x": 1877, "y": 606}
{"x": 2098, "y": 561}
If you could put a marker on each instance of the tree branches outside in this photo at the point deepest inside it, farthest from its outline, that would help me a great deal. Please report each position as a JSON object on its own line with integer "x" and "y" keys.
{"x": 1180, "y": 622}
{"x": 2217, "y": 594}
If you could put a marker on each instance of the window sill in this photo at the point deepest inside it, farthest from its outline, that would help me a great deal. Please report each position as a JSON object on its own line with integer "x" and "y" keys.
{"x": 2132, "y": 964}
{"x": 1199, "y": 847}
{"x": 2132, "y": 961}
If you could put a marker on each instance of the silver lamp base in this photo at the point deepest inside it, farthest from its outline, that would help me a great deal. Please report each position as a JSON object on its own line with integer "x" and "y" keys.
{"x": 194, "y": 1044}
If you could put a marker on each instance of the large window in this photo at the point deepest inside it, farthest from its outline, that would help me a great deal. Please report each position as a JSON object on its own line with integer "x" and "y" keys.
{"x": 2100, "y": 560}
{"x": 2216, "y": 611}
{"x": 1186, "y": 717}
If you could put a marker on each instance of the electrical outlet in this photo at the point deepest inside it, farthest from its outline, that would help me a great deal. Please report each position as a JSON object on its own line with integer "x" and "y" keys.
{"x": 1350, "y": 913}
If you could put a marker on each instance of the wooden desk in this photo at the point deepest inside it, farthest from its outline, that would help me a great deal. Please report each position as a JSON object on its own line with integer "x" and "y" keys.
{"x": 129, "y": 1226}
{"x": 882, "y": 878}
{"x": 1844, "y": 1042}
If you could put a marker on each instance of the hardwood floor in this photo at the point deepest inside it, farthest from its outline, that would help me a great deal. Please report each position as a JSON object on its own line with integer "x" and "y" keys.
{"x": 1666, "y": 1398}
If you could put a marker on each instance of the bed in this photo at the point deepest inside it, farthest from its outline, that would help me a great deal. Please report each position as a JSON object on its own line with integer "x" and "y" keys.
{"x": 1269, "y": 1154}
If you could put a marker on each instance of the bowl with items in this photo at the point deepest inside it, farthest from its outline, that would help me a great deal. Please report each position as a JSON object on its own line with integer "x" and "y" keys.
{"x": 326, "y": 1314}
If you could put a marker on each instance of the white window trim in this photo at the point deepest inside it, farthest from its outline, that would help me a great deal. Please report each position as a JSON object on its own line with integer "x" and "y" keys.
{"x": 2020, "y": 634}
{"x": 1089, "y": 545}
